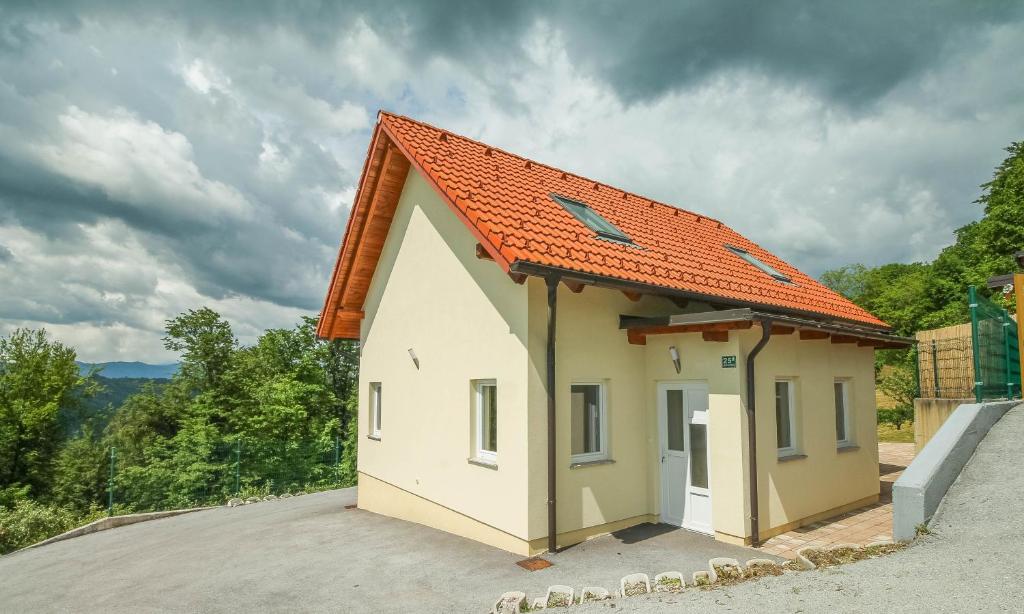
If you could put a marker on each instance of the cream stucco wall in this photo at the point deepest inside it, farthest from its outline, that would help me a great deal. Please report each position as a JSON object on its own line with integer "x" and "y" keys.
{"x": 465, "y": 320}
{"x": 827, "y": 478}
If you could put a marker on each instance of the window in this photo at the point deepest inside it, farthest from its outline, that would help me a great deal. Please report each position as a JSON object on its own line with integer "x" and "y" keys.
{"x": 486, "y": 420}
{"x": 375, "y": 413}
{"x": 592, "y": 219}
{"x": 785, "y": 418}
{"x": 742, "y": 253}
{"x": 843, "y": 425}
{"x": 589, "y": 423}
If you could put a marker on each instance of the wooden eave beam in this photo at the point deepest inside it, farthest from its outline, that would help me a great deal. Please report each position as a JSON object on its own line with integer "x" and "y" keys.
{"x": 717, "y": 336}
{"x": 783, "y": 330}
{"x": 482, "y": 253}
{"x": 638, "y": 336}
{"x": 633, "y": 296}
{"x": 843, "y": 339}
{"x": 807, "y": 335}
{"x": 574, "y": 286}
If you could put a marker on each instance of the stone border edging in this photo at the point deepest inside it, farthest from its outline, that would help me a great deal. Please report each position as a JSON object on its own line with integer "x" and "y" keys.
{"x": 112, "y": 522}
{"x": 721, "y": 571}
{"x": 917, "y": 493}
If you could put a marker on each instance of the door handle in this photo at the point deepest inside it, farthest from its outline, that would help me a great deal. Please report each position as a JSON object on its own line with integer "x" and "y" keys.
{"x": 663, "y": 458}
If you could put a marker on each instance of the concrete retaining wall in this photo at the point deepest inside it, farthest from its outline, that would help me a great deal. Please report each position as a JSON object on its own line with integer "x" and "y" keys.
{"x": 111, "y": 522}
{"x": 930, "y": 415}
{"x": 918, "y": 492}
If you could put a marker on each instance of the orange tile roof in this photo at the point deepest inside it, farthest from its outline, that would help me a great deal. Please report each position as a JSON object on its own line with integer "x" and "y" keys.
{"x": 505, "y": 201}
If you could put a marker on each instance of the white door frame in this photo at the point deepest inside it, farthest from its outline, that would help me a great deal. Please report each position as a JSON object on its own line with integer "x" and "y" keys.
{"x": 687, "y": 521}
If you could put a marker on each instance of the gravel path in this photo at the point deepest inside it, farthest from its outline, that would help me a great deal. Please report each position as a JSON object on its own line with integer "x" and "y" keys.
{"x": 971, "y": 562}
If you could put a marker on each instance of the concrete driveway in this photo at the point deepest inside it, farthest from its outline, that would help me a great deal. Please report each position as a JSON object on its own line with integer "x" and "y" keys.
{"x": 973, "y": 560}
{"x": 310, "y": 554}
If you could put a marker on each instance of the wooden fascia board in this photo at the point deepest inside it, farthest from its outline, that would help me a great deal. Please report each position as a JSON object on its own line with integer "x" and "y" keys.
{"x": 360, "y": 245}
{"x": 494, "y": 252}
{"x": 333, "y": 291}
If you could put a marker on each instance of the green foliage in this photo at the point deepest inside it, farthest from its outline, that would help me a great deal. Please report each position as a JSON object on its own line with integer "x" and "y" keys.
{"x": 900, "y": 385}
{"x": 38, "y": 380}
{"x": 919, "y": 296}
{"x": 28, "y": 522}
{"x": 896, "y": 417}
{"x": 264, "y": 419}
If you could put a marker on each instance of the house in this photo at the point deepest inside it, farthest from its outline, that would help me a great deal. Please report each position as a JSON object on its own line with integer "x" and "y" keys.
{"x": 545, "y": 358}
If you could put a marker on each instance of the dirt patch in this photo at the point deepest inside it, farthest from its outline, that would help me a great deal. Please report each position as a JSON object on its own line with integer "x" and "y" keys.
{"x": 760, "y": 570}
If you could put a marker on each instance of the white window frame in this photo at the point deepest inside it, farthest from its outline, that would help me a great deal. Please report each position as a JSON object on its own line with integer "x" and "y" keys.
{"x": 486, "y": 456}
{"x": 602, "y": 396}
{"x": 375, "y": 409}
{"x": 847, "y": 422}
{"x": 791, "y": 450}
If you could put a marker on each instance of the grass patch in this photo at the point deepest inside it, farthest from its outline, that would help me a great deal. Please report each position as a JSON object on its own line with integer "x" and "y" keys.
{"x": 670, "y": 584}
{"x": 890, "y": 434}
{"x": 760, "y": 570}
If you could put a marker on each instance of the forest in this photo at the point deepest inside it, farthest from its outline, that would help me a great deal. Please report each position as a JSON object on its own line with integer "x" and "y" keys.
{"x": 271, "y": 418}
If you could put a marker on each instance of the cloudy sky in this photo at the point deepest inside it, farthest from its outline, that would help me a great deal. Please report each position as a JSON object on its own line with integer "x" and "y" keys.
{"x": 156, "y": 159}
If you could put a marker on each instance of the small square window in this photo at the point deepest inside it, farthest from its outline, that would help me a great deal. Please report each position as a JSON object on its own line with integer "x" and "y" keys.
{"x": 589, "y": 428}
{"x": 375, "y": 409}
{"x": 844, "y": 426}
{"x": 486, "y": 419}
{"x": 785, "y": 417}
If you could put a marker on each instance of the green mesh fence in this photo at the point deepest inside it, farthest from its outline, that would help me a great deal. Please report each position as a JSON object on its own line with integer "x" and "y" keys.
{"x": 209, "y": 474}
{"x": 994, "y": 342}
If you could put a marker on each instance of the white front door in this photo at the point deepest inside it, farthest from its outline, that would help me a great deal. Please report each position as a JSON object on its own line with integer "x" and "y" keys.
{"x": 683, "y": 424}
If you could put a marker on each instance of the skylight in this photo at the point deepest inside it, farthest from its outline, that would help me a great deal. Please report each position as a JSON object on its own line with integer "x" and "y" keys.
{"x": 742, "y": 253}
{"x": 592, "y": 219}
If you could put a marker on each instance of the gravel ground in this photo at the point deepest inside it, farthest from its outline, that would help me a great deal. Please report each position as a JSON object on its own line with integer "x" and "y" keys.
{"x": 309, "y": 554}
{"x": 971, "y": 562}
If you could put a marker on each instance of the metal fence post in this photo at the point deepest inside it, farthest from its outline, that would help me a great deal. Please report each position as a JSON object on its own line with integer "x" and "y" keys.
{"x": 337, "y": 460}
{"x": 972, "y": 303}
{"x": 1006, "y": 350}
{"x": 110, "y": 484}
{"x": 935, "y": 370}
{"x": 238, "y": 464}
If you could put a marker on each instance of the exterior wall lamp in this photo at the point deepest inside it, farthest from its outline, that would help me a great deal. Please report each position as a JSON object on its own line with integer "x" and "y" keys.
{"x": 674, "y": 353}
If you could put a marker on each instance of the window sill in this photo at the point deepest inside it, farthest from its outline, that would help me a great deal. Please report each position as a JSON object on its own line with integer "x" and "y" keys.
{"x": 582, "y": 464}
{"x": 373, "y": 437}
{"x": 479, "y": 462}
{"x": 847, "y": 447}
{"x": 791, "y": 457}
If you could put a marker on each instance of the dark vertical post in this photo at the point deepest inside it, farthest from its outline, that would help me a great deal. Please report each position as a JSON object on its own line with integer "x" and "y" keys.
{"x": 1004, "y": 319}
{"x": 110, "y": 484}
{"x": 766, "y": 334}
{"x": 972, "y": 303}
{"x": 935, "y": 370}
{"x": 337, "y": 460}
{"x": 552, "y": 285}
{"x": 238, "y": 465}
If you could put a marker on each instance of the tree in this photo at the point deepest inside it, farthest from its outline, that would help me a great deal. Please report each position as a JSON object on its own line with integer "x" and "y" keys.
{"x": 38, "y": 379}
{"x": 206, "y": 344}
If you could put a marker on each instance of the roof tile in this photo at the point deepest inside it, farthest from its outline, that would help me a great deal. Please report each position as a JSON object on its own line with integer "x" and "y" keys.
{"x": 507, "y": 198}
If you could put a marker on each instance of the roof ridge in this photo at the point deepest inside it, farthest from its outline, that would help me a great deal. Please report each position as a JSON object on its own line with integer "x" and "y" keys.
{"x": 699, "y": 216}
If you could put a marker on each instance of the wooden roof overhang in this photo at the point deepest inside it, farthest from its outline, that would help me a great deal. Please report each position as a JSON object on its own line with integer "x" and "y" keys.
{"x": 715, "y": 326}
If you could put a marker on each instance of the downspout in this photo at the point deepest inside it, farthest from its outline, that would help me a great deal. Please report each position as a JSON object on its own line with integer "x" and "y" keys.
{"x": 766, "y": 334}
{"x": 552, "y": 284}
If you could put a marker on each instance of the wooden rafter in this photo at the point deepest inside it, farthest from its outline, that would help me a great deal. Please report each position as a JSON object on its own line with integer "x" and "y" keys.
{"x": 807, "y": 335}
{"x": 638, "y": 336}
{"x": 719, "y": 336}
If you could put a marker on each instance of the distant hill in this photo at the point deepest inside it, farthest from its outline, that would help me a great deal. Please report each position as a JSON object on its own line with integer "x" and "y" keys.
{"x": 101, "y": 407}
{"x": 118, "y": 370}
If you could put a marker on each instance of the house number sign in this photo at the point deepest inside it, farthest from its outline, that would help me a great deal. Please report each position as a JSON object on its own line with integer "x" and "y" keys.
{"x": 728, "y": 362}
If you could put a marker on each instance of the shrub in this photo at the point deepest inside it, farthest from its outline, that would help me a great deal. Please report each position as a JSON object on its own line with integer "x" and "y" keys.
{"x": 896, "y": 417}
{"x": 29, "y": 522}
